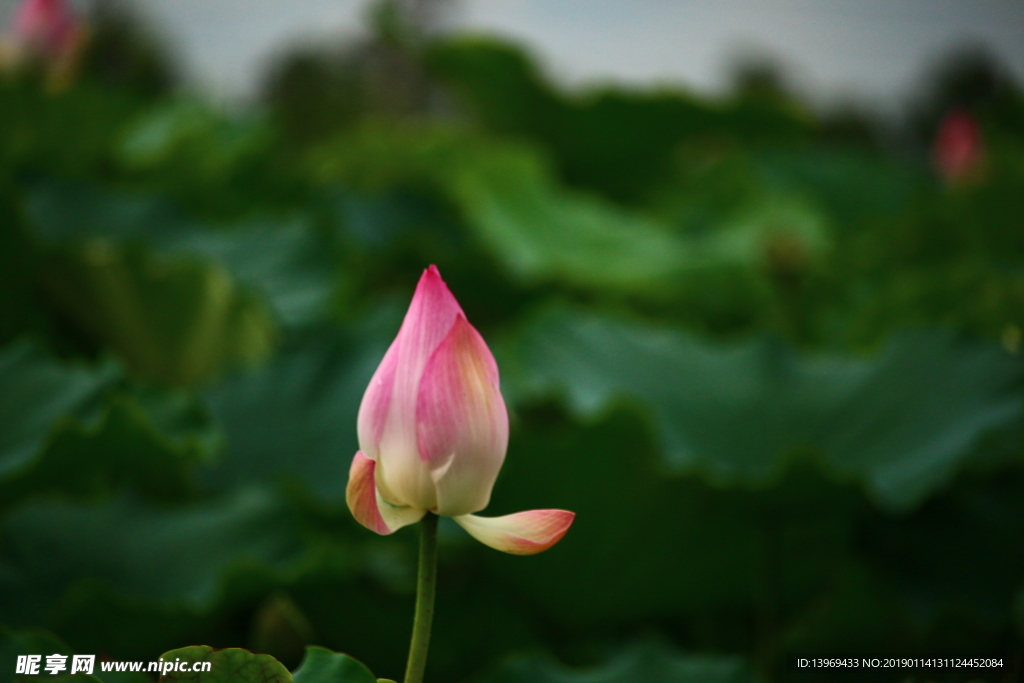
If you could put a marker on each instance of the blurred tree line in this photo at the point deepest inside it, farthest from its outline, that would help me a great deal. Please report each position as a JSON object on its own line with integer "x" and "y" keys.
{"x": 768, "y": 355}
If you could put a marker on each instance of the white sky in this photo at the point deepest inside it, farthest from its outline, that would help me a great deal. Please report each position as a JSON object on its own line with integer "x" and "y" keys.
{"x": 871, "y": 50}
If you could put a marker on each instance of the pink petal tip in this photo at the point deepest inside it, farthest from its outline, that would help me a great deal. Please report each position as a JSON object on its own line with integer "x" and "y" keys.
{"x": 522, "y": 533}
{"x": 361, "y": 495}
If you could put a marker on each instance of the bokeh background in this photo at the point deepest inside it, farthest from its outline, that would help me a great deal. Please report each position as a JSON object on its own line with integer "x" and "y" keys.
{"x": 754, "y": 276}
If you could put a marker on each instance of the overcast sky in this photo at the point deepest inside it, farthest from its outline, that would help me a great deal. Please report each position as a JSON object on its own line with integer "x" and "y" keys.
{"x": 872, "y": 50}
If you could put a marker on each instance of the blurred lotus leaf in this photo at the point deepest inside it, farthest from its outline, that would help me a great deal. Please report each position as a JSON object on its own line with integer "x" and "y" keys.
{"x": 323, "y": 666}
{"x": 279, "y": 257}
{"x": 36, "y": 392}
{"x": 123, "y": 447}
{"x": 902, "y": 423}
{"x": 174, "y": 555}
{"x": 174, "y": 321}
{"x": 41, "y": 642}
{"x": 640, "y": 662}
{"x": 231, "y": 665}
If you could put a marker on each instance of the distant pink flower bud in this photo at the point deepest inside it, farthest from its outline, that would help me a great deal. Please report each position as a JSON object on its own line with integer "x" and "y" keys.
{"x": 433, "y": 430}
{"x": 48, "y": 27}
{"x": 957, "y": 151}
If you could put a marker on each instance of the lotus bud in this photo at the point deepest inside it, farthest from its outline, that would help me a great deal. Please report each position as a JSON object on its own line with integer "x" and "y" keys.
{"x": 46, "y": 27}
{"x": 433, "y": 431}
{"x": 958, "y": 152}
{"x": 44, "y": 33}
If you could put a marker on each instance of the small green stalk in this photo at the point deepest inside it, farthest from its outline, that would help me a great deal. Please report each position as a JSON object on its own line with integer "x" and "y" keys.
{"x": 426, "y": 585}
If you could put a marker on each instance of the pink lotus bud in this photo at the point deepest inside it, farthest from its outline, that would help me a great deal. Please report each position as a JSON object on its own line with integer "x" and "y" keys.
{"x": 48, "y": 27}
{"x": 433, "y": 430}
{"x": 957, "y": 151}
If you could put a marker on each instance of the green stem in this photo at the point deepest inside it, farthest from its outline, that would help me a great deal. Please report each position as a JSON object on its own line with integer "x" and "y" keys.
{"x": 426, "y": 585}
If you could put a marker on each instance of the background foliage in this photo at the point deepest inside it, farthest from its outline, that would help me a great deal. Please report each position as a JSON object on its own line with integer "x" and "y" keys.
{"x": 769, "y": 356}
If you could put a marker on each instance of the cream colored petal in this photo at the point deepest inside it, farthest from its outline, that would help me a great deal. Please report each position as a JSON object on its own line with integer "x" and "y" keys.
{"x": 522, "y": 533}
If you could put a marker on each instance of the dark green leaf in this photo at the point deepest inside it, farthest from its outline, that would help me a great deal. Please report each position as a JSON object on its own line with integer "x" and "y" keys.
{"x": 540, "y": 231}
{"x": 20, "y": 308}
{"x": 515, "y": 207}
{"x": 691, "y": 552}
{"x": 641, "y": 663}
{"x": 903, "y": 423}
{"x": 161, "y": 555}
{"x": 123, "y": 448}
{"x": 296, "y": 417}
{"x": 188, "y": 131}
{"x": 232, "y": 665}
{"x": 40, "y": 642}
{"x": 323, "y": 666}
{"x": 279, "y": 258}
{"x": 172, "y": 320}
{"x": 35, "y": 392}
{"x": 33, "y": 642}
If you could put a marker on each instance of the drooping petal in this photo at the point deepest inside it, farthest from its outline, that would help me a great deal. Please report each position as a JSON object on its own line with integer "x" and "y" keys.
{"x": 461, "y": 421}
{"x": 361, "y": 494}
{"x": 366, "y": 504}
{"x": 522, "y": 533}
{"x": 431, "y": 315}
